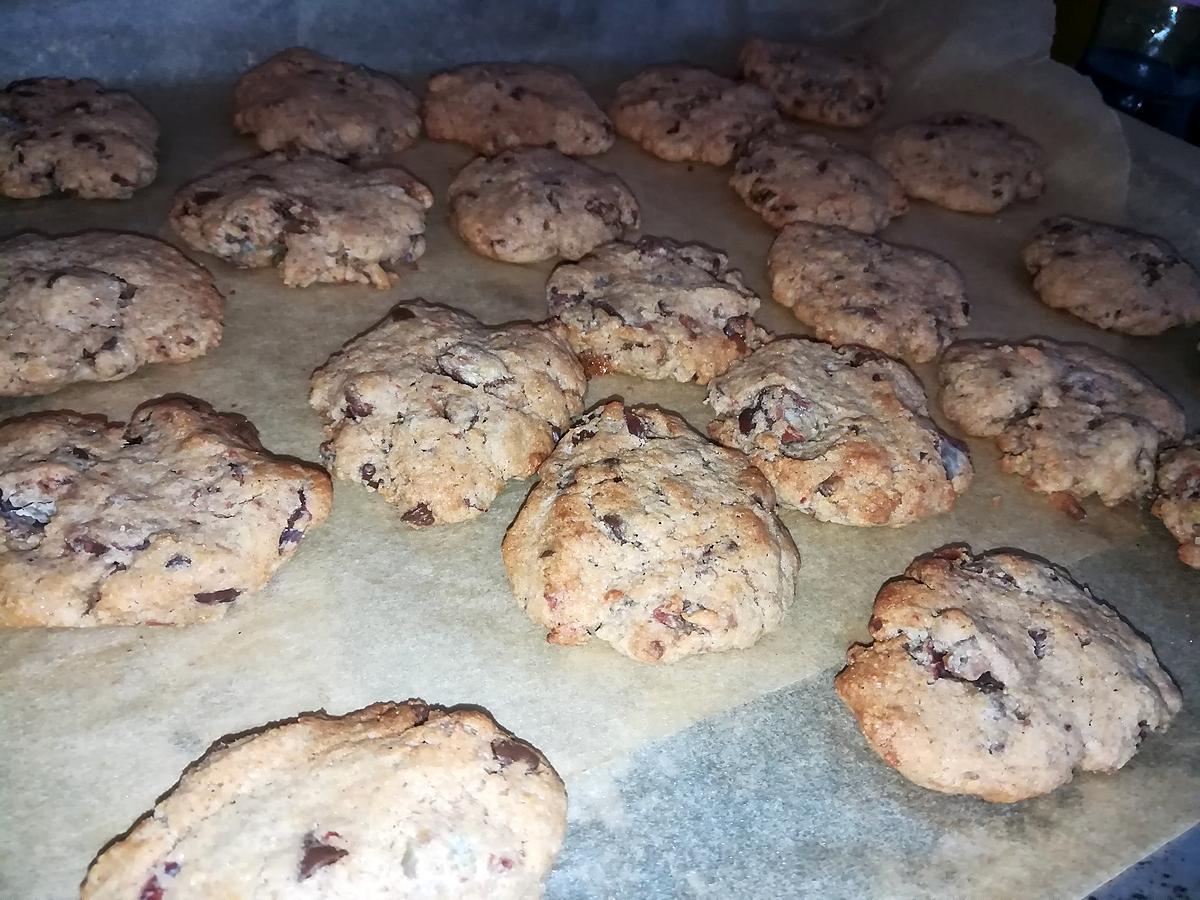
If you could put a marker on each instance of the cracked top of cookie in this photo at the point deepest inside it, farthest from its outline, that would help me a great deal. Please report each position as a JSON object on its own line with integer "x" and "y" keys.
{"x": 643, "y": 534}
{"x": 471, "y": 811}
{"x": 96, "y": 307}
{"x": 656, "y": 308}
{"x": 304, "y": 100}
{"x": 843, "y": 433}
{"x": 998, "y": 675}
{"x": 1069, "y": 417}
{"x": 436, "y": 411}
{"x": 164, "y": 520}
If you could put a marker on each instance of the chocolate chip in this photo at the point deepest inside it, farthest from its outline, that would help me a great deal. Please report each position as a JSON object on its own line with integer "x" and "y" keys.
{"x": 746, "y": 419}
{"x": 80, "y": 139}
{"x": 356, "y": 407}
{"x": 84, "y": 544}
{"x": 80, "y": 453}
{"x": 508, "y": 751}
{"x": 418, "y": 515}
{"x": 318, "y": 855}
{"x": 200, "y": 198}
{"x": 607, "y": 212}
{"x": 292, "y": 535}
{"x": 367, "y": 473}
{"x": 616, "y": 527}
{"x": 400, "y": 313}
{"x": 117, "y": 179}
{"x": 178, "y": 561}
{"x": 1038, "y": 636}
{"x": 987, "y": 684}
{"x": 226, "y": 596}
{"x": 829, "y": 486}
{"x": 237, "y": 472}
{"x": 635, "y": 423}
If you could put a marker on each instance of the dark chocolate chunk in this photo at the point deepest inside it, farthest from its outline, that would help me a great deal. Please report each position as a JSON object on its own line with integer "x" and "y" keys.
{"x": 508, "y": 751}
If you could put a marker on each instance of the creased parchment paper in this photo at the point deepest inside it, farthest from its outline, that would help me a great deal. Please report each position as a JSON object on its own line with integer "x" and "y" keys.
{"x": 775, "y": 794}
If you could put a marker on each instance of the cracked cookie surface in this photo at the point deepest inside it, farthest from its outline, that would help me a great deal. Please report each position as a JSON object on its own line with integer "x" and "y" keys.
{"x": 656, "y": 309}
{"x": 1177, "y": 500}
{"x": 1069, "y": 418}
{"x": 437, "y": 411}
{"x": 401, "y": 800}
{"x": 1114, "y": 278}
{"x": 165, "y": 520}
{"x": 299, "y": 99}
{"x": 786, "y": 175}
{"x": 98, "y": 306}
{"x": 74, "y": 136}
{"x": 685, "y": 113}
{"x": 528, "y": 205}
{"x": 852, "y": 288}
{"x": 499, "y": 106}
{"x": 843, "y": 433}
{"x": 315, "y": 218}
{"x": 818, "y": 84}
{"x": 998, "y": 675}
{"x": 962, "y": 161}
{"x": 643, "y": 534}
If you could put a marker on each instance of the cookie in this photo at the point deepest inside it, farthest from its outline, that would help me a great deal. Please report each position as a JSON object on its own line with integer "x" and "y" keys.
{"x": 316, "y": 219}
{"x": 843, "y": 433}
{"x": 1114, "y": 278}
{"x": 684, "y": 113}
{"x": 437, "y": 411}
{"x": 643, "y": 534}
{"x": 962, "y": 161}
{"x": 398, "y": 800}
{"x": 163, "y": 521}
{"x": 74, "y": 136}
{"x": 498, "y": 106}
{"x": 817, "y": 84}
{"x": 850, "y": 288}
{"x": 301, "y": 100}
{"x": 528, "y": 205}
{"x": 98, "y": 306}
{"x": 1177, "y": 501}
{"x": 788, "y": 175}
{"x": 997, "y": 675}
{"x": 1069, "y": 418}
{"x": 658, "y": 309}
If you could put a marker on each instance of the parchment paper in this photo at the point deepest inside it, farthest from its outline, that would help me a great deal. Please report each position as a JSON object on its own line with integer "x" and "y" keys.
{"x": 778, "y": 796}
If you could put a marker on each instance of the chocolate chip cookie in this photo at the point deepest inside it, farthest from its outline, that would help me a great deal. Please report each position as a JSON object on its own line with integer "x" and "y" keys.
{"x": 643, "y": 534}
{"x": 301, "y": 100}
{"x": 1114, "y": 278}
{"x": 852, "y": 288}
{"x": 437, "y": 411}
{"x": 528, "y": 205}
{"x": 1069, "y": 418}
{"x": 401, "y": 800}
{"x": 499, "y": 106}
{"x": 843, "y": 433}
{"x": 684, "y": 113}
{"x": 788, "y": 175}
{"x": 818, "y": 84}
{"x": 316, "y": 219}
{"x": 98, "y": 306}
{"x": 657, "y": 309}
{"x": 962, "y": 161}
{"x": 74, "y": 136}
{"x": 1177, "y": 500}
{"x": 997, "y": 675}
{"x": 162, "y": 521}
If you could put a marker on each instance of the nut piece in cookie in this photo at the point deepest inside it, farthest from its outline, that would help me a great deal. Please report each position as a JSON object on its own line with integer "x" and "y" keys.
{"x": 997, "y": 675}
{"x": 528, "y": 205}
{"x": 843, "y": 433}
{"x": 1067, "y": 417}
{"x": 316, "y": 219}
{"x": 499, "y": 106}
{"x": 962, "y": 161}
{"x": 1114, "y": 278}
{"x": 1177, "y": 501}
{"x": 645, "y": 535}
{"x": 299, "y": 99}
{"x": 401, "y": 800}
{"x": 98, "y": 306}
{"x": 852, "y": 288}
{"x": 656, "y": 309}
{"x": 163, "y": 521}
{"x": 437, "y": 411}
{"x": 788, "y": 175}
{"x": 817, "y": 83}
{"x": 684, "y": 113}
{"x": 74, "y": 136}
